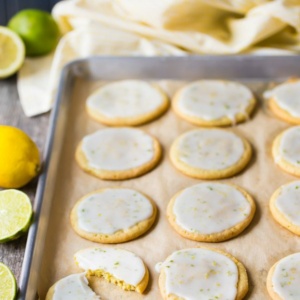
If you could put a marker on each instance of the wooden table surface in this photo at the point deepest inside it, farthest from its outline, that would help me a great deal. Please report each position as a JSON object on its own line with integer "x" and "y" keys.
{"x": 11, "y": 113}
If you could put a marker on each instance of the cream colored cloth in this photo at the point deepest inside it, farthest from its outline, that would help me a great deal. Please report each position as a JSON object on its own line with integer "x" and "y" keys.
{"x": 158, "y": 27}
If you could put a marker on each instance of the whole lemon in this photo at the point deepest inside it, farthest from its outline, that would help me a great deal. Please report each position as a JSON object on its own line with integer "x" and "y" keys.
{"x": 37, "y": 29}
{"x": 19, "y": 157}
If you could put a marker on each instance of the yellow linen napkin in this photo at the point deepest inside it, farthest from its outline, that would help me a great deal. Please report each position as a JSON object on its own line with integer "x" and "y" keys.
{"x": 159, "y": 27}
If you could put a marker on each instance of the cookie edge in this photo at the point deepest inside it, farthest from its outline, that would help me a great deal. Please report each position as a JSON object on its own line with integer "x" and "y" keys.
{"x": 120, "y": 236}
{"x": 214, "y": 237}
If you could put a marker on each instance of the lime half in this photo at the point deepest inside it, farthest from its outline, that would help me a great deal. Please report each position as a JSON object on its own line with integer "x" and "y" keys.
{"x": 8, "y": 285}
{"x": 12, "y": 52}
{"x": 15, "y": 214}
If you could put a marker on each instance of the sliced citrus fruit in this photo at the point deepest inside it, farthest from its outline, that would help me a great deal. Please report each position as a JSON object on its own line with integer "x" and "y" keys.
{"x": 12, "y": 52}
{"x": 8, "y": 285}
{"x": 15, "y": 214}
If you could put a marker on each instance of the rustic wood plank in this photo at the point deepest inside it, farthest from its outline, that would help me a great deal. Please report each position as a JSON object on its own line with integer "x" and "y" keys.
{"x": 11, "y": 113}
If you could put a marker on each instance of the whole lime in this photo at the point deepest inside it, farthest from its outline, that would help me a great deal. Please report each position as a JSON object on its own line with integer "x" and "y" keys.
{"x": 37, "y": 29}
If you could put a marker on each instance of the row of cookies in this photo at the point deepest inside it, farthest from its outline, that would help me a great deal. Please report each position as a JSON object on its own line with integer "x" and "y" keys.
{"x": 185, "y": 273}
{"x": 124, "y": 152}
{"x": 194, "y": 273}
{"x": 116, "y": 215}
{"x": 204, "y": 102}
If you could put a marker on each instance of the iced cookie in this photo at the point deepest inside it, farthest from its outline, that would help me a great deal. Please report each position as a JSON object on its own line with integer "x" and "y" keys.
{"x": 126, "y": 103}
{"x": 118, "y": 153}
{"x": 113, "y": 215}
{"x": 283, "y": 281}
{"x": 285, "y": 206}
{"x": 117, "y": 266}
{"x": 286, "y": 150}
{"x": 214, "y": 103}
{"x": 202, "y": 273}
{"x": 210, "y": 212}
{"x": 72, "y": 287}
{"x": 284, "y": 101}
{"x": 210, "y": 153}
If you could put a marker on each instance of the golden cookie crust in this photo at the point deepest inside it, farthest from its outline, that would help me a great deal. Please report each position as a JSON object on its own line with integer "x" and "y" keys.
{"x": 210, "y": 174}
{"x": 280, "y": 161}
{"x": 120, "y": 236}
{"x": 214, "y": 237}
{"x": 222, "y": 122}
{"x": 136, "y": 120}
{"x": 282, "y": 113}
{"x": 271, "y": 292}
{"x": 122, "y": 174}
{"x": 140, "y": 288}
{"x": 242, "y": 287}
{"x": 279, "y": 216}
{"x": 50, "y": 293}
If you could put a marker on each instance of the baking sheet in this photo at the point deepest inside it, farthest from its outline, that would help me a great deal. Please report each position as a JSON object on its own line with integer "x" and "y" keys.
{"x": 258, "y": 247}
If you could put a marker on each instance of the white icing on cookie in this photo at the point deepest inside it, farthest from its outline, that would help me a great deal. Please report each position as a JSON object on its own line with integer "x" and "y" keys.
{"x": 125, "y": 99}
{"x": 111, "y": 210}
{"x": 74, "y": 287}
{"x": 208, "y": 208}
{"x": 286, "y": 277}
{"x": 210, "y": 149}
{"x": 289, "y": 147}
{"x": 196, "y": 273}
{"x": 288, "y": 202}
{"x": 122, "y": 264}
{"x": 118, "y": 149}
{"x": 214, "y": 99}
{"x": 287, "y": 97}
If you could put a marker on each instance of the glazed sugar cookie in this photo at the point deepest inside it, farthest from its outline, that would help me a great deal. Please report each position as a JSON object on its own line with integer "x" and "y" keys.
{"x": 117, "y": 266}
{"x": 113, "y": 215}
{"x": 127, "y": 102}
{"x": 285, "y": 206}
{"x": 283, "y": 282}
{"x": 201, "y": 273}
{"x": 210, "y": 212}
{"x": 73, "y": 287}
{"x": 286, "y": 150}
{"x": 118, "y": 153}
{"x": 210, "y": 153}
{"x": 284, "y": 101}
{"x": 214, "y": 103}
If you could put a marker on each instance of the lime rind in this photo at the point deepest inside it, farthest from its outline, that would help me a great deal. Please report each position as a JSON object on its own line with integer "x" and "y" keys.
{"x": 8, "y": 283}
{"x": 17, "y": 63}
{"x": 15, "y": 214}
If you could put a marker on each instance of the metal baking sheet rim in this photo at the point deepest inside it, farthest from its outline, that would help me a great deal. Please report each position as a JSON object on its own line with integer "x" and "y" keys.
{"x": 116, "y": 68}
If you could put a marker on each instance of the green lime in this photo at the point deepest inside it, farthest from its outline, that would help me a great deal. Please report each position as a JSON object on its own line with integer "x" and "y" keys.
{"x": 37, "y": 29}
{"x": 8, "y": 285}
{"x": 15, "y": 214}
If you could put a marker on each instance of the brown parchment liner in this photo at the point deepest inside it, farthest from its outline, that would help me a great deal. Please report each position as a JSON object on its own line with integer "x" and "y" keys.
{"x": 258, "y": 247}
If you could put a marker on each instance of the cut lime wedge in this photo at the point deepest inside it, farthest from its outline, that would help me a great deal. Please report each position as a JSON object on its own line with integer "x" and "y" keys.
{"x": 15, "y": 214}
{"x": 8, "y": 285}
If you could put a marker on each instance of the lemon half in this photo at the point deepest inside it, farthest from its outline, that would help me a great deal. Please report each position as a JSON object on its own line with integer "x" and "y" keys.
{"x": 12, "y": 52}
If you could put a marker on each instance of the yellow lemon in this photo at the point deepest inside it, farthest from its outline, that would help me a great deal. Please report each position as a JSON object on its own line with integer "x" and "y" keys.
{"x": 19, "y": 157}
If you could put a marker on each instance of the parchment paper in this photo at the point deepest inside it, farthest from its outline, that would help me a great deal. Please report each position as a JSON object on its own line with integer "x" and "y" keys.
{"x": 258, "y": 247}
